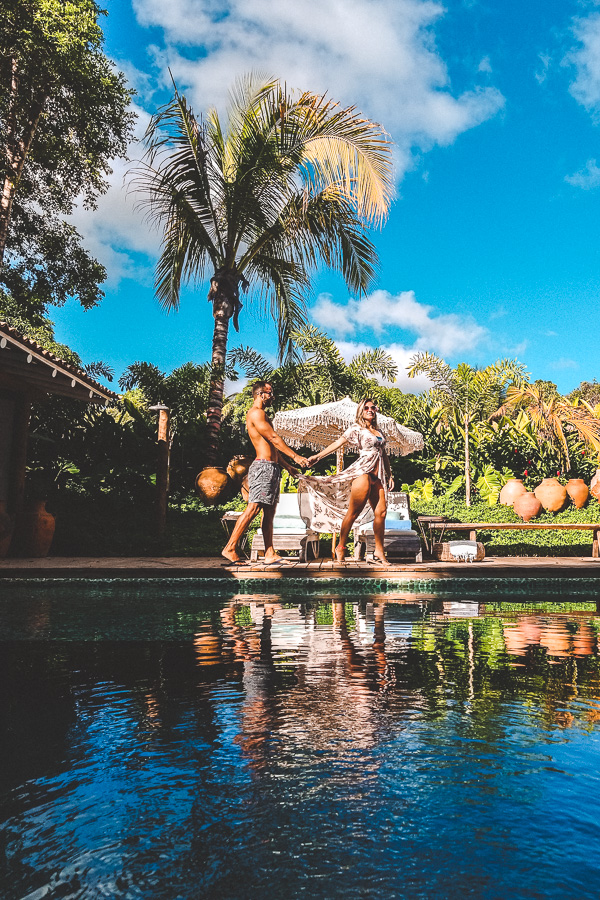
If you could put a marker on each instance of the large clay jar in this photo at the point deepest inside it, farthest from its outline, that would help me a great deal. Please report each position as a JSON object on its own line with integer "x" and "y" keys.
{"x": 214, "y": 485}
{"x": 595, "y": 485}
{"x": 527, "y": 506}
{"x": 551, "y": 494}
{"x": 513, "y": 488}
{"x": 578, "y": 491}
{"x": 6, "y": 529}
{"x": 238, "y": 467}
{"x": 36, "y": 529}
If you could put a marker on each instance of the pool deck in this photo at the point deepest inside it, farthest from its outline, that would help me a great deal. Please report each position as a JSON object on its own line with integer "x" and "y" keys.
{"x": 203, "y": 567}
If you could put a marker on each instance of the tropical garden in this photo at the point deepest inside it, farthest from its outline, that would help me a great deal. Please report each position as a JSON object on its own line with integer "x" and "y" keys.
{"x": 248, "y": 207}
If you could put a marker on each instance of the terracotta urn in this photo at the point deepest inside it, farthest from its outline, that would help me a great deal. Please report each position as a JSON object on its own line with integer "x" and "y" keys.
{"x": 238, "y": 467}
{"x": 36, "y": 529}
{"x": 551, "y": 494}
{"x": 527, "y": 506}
{"x": 6, "y": 529}
{"x": 595, "y": 485}
{"x": 214, "y": 485}
{"x": 578, "y": 491}
{"x": 513, "y": 488}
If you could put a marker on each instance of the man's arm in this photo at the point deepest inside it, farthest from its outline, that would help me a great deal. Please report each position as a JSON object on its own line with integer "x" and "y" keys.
{"x": 266, "y": 430}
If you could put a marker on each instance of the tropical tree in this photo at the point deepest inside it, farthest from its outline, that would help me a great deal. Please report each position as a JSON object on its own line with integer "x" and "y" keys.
{"x": 63, "y": 117}
{"x": 465, "y": 395}
{"x": 290, "y": 182}
{"x": 553, "y": 418}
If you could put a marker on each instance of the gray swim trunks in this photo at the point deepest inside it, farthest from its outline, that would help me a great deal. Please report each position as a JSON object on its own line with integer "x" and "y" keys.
{"x": 264, "y": 477}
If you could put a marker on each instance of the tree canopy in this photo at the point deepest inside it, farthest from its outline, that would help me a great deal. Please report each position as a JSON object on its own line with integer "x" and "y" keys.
{"x": 64, "y": 115}
{"x": 257, "y": 203}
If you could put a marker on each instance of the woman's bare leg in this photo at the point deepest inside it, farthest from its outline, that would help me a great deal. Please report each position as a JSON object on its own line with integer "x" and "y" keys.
{"x": 359, "y": 494}
{"x": 379, "y": 506}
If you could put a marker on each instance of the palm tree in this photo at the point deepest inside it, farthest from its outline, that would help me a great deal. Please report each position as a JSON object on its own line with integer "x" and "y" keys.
{"x": 464, "y": 394}
{"x": 553, "y": 417}
{"x": 288, "y": 183}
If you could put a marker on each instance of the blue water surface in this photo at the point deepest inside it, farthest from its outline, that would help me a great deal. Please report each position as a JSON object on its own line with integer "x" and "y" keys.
{"x": 165, "y": 740}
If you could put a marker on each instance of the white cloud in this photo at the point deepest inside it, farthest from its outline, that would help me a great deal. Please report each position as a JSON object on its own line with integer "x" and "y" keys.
{"x": 586, "y": 60}
{"x": 564, "y": 363}
{"x": 400, "y": 354}
{"x": 115, "y": 223}
{"x": 485, "y": 65}
{"x": 377, "y": 54}
{"x": 446, "y": 334}
{"x": 587, "y": 178}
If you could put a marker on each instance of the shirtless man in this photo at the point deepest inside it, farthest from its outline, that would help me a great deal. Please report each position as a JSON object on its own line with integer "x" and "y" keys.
{"x": 264, "y": 474}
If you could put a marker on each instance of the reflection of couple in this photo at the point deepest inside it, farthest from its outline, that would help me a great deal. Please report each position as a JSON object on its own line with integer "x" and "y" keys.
{"x": 329, "y": 503}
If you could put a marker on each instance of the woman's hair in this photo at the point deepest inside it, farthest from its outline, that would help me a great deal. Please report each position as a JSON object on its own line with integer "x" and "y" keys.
{"x": 360, "y": 418}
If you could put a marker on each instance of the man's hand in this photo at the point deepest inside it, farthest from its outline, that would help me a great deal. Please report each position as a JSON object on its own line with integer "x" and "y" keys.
{"x": 313, "y": 459}
{"x": 301, "y": 461}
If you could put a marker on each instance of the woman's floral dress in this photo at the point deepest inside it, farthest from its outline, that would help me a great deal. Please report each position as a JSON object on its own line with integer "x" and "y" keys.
{"x": 324, "y": 500}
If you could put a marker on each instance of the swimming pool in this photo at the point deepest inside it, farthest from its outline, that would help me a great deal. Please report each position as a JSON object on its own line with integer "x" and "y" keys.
{"x": 178, "y": 740}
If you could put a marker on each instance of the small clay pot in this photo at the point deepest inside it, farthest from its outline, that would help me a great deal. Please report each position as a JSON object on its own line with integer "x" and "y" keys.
{"x": 513, "y": 488}
{"x": 551, "y": 494}
{"x": 238, "y": 467}
{"x": 578, "y": 491}
{"x": 214, "y": 486}
{"x": 527, "y": 506}
{"x": 36, "y": 530}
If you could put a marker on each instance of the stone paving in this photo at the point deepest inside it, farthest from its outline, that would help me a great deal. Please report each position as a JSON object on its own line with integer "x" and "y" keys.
{"x": 203, "y": 567}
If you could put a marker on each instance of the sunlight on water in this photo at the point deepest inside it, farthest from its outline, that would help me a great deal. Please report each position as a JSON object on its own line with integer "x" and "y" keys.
{"x": 157, "y": 742}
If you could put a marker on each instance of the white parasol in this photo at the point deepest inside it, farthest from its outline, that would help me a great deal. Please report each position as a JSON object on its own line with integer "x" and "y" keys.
{"x": 318, "y": 426}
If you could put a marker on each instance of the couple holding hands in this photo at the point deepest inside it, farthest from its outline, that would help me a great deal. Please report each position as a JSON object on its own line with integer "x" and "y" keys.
{"x": 328, "y": 503}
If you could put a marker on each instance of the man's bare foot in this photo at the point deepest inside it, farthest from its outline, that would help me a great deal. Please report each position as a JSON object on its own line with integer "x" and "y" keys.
{"x": 232, "y": 555}
{"x": 340, "y": 553}
{"x": 272, "y": 557}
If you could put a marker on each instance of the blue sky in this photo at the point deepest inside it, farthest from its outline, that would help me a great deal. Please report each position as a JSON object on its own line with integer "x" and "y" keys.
{"x": 492, "y": 245}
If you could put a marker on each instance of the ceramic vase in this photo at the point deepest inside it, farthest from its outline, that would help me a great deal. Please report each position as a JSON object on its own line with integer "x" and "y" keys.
{"x": 551, "y": 494}
{"x": 513, "y": 488}
{"x": 595, "y": 485}
{"x": 6, "y": 529}
{"x": 214, "y": 485}
{"x": 527, "y": 506}
{"x": 238, "y": 467}
{"x": 578, "y": 491}
{"x": 37, "y": 530}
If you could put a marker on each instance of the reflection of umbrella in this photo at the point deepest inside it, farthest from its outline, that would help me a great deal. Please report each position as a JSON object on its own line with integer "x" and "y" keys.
{"x": 318, "y": 426}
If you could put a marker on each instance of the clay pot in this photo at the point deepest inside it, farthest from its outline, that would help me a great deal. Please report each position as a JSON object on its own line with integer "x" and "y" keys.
{"x": 214, "y": 485}
{"x": 578, "y": 491}
{"x": 527, "y": 506}
{"x": 238, "y": 467}
{"x": 36, "y": 530}
{"x": 513, "y": 488}
{"x": 595, "y": 485}
{"x": 6, "y": 529}
{"x": 551, "y": 494}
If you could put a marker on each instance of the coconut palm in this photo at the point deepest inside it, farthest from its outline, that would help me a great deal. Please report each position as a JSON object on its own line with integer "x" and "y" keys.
{"x": 466, "y": 395}
{"x": 552, "y": 418}
{"x": 289, "y": 182}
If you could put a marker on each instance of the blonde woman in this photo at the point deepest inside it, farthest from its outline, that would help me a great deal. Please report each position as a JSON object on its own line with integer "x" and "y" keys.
{"x": 335, "y": 502}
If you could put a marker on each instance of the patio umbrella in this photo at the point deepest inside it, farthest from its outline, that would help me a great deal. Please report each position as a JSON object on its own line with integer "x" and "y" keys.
{"x": 318, "y": 426}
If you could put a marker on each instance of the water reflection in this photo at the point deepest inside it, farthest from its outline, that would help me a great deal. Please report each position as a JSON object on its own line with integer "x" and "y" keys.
{"x": 236, "y": 746}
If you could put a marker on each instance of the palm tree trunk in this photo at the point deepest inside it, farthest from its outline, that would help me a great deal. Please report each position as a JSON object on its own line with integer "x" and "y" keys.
{"x": 467, "y": 464}
{"x": 222, "y": 314}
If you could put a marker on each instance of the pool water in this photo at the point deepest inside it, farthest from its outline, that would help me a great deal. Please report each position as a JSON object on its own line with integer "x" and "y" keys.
{"x": 173, "y": 740}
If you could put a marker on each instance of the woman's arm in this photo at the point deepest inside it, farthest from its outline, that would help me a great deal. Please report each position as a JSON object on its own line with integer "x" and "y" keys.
{"x": 331, "y": 449}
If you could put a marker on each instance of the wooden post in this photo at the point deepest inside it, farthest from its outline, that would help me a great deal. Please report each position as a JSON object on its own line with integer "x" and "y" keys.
{"x": 339, "y": 461}
{"x": 162, "y": 467}
{"x": 19, "y": 452}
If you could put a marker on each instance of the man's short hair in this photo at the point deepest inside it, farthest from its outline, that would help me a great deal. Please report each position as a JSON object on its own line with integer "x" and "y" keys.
{"x": 258, "y": 387}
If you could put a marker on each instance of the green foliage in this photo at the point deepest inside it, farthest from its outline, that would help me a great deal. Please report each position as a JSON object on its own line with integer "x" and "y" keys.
{"x": 64, "y": 115}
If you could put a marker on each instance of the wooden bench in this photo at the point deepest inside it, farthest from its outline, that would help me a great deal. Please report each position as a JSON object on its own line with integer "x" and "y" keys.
{"x": 474, "y": 527}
